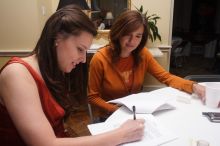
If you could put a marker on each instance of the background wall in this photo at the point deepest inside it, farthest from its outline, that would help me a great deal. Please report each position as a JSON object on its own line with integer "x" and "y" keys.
{"x": 22, "y": 22}
{"x": 164, "y": 9}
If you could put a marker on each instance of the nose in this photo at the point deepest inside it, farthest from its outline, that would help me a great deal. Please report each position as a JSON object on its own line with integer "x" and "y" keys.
{"x": 131, "y": 39}
{"x": 83, "y": 58}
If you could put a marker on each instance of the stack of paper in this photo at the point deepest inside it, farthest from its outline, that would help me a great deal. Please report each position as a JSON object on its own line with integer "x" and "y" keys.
{"x": 154, "y": 134}
{"x": 145, "y": 103}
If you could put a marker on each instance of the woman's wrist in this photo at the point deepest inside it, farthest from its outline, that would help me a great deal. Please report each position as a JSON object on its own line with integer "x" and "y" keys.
{"x": 121, "y": 138}
{"x": 199, "y": 90}
{"x": 194, "y": 85}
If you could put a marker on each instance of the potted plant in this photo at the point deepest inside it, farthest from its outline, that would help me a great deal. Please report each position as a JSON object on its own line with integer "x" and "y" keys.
{"x": 152, "y": 24}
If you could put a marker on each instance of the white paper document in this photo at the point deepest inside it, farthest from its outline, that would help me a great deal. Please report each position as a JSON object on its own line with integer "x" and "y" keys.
{"x": 154, "y": 133}
{"x": 146, "y": 102}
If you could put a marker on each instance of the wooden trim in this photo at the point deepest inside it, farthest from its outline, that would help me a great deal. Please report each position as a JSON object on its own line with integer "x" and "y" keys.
{"x": 171, "y": 23}
{"x": 164, "y": 46}
{"x": 10, "y": 53}
{"x": 129, "y": 4}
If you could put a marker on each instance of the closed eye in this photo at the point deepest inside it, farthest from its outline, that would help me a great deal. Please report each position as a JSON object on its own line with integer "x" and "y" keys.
{"x": 81, "y": 50}
{"x": 139, "y": 36}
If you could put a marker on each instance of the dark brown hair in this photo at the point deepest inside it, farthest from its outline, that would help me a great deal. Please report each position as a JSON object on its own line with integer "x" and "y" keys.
{"x": 66, "y": 22}
{"x": 127, "y": 22}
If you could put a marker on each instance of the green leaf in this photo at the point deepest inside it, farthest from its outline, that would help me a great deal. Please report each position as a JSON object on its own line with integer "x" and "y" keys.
{"x": 141, "y": 9}
{"x": 145, "y": 14}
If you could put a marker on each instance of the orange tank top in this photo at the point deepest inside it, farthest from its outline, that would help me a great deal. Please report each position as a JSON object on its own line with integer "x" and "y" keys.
{"x": 53, "y": 111}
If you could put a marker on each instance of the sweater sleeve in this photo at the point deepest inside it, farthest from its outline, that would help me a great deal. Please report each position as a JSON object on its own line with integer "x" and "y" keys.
{"x": 96, "y": 72}
{"x": 155, "y": 69}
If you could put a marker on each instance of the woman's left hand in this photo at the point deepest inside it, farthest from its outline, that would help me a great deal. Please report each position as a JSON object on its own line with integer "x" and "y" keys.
{"x": 199, "y": 90}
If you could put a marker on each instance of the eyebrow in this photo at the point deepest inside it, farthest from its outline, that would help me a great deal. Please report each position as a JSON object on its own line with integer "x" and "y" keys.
{"x": 134, "y": 34}
{"x": 83, "y": 46}
{"x": 139, "y": 33}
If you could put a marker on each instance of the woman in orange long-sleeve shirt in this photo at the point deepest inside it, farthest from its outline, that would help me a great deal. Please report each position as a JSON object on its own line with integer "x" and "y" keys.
{"x": 118, "y": 69}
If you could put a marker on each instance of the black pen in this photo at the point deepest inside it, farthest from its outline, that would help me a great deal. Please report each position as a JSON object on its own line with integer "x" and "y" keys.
{"x": 134, "y": 112}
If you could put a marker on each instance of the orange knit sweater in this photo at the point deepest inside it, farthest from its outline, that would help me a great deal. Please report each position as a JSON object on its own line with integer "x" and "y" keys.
{"x": 106, "y": 82}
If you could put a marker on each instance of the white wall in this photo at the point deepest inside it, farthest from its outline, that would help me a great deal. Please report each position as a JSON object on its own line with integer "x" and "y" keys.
{"x": 54, "y": 5}
{"x": 22, "y": 22}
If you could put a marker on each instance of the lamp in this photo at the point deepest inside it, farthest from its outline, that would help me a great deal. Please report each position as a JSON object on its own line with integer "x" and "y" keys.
{"x": 109, "y": 17}
{"x": 81, "y": 3}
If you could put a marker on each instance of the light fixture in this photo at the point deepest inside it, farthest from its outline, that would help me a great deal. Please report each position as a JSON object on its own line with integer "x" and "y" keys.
{"x": 81, "y": 3}
{"x": 109, "y": 16}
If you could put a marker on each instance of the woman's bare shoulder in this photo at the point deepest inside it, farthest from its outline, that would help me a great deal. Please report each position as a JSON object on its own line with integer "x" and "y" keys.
{"x": 17, "y": 69}
{"x": 12, "y": 70}
{"x": 11, "y": 76}
{"x": 15, "y": 74}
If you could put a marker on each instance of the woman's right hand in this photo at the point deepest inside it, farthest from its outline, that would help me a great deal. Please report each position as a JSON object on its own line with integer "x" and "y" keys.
{"x": 199, "y": 90}
{"x": 132, "y": 130}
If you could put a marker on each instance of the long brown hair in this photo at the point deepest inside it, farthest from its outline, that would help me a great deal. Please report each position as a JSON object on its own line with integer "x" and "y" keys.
{"x": 66, "y": 22}
{"x": 127, "y": 22}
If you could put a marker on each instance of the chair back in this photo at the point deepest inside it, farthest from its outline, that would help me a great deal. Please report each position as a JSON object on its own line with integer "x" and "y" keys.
{"x": 203, "y": 78}
{"x": 210, "y": 49}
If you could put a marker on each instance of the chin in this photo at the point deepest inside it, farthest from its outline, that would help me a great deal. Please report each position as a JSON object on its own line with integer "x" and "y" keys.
{"x": 68, "y": 70}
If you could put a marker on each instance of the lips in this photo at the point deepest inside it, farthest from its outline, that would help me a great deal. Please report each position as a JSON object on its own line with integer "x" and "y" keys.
{"x": 74, "y": 64}
{"x": 130, "y": 46}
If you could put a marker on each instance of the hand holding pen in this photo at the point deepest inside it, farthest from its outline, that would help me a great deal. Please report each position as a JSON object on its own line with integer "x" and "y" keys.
{"x": 134, "y": 128}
